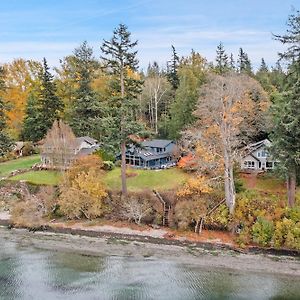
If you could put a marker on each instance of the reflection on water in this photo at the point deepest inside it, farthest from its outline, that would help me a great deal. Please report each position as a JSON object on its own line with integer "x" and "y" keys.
{"x": 28, "y": 273}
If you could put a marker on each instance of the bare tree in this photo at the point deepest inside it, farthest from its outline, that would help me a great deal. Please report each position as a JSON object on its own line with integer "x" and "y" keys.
{"x": 155, "y": 88}
{"x": 59, "y": 148}
{"x": 224, "y": 108}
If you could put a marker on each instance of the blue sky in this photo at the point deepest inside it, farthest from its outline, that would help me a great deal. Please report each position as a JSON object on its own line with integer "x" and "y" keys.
{"x": 33, "y": 29}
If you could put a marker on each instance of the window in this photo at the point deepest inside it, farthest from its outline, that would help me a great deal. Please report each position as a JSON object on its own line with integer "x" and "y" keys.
{"x": 269, "y": 165}
{"x": 258, "y": 154}
{"x": 264, "y": 153}
{"x": 249, "y": 164}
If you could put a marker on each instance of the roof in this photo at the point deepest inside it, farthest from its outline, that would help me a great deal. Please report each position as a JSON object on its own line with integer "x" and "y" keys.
{"x": 87, "y": 139}
{"x": 254, "y": 146}
{"x": 156, "y": 143}
{"x": 87, "y": 151}
{"x": 18, "y": 146}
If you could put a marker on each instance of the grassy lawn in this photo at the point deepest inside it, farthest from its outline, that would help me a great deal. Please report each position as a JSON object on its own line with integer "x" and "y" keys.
{"x": 146, "y": 179}
{"x": 18, "y": 164}
{"x": 39, "y": 177}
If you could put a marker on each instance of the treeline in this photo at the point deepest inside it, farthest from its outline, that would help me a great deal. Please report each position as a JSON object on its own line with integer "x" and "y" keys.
{"x": 82, "y": 89}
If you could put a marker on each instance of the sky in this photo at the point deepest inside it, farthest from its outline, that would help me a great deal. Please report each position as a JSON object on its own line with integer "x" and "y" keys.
{"x": 33, "y": 29}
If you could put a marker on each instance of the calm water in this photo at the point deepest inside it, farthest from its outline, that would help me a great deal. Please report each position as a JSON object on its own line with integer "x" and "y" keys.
{"x": 29, "y": 273}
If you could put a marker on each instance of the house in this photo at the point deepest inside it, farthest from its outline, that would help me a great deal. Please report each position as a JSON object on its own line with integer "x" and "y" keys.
{"x": 18, "y": 148}
{"x": 153, "y": 154}
{"x": 257, "y": 157}
{"x": 60, "y": 154}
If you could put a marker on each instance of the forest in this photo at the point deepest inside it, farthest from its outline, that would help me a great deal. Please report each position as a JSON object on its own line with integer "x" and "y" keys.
{"x": 211, "y": 109}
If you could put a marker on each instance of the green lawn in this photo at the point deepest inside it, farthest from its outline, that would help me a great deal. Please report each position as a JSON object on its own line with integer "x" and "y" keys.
{"x": 18, "y": 164}
{"x": 39, "y": 177}
{"x": 137, "y": 179}
{"x": 146, "y": 179}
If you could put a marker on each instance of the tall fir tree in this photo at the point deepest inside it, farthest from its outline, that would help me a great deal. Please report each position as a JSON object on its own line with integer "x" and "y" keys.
{"x": 222, "y": 64}
{"x": 86, "y": 109}
{"x": 44, "y": 110}
{"x": 263, "y": 66}
{"x": 5, "y": 141}
{"x": 286, "y": 132}
{"x": 172, "y": 73}
{"x": 244, "y": 64}
{"x": 232, "y": 63}
{"x": 121, "y": 60}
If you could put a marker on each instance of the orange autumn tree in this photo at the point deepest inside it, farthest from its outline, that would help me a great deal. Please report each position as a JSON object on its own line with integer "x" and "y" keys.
{"x": 21, "y": 78}
{"x": 226, "y": 109}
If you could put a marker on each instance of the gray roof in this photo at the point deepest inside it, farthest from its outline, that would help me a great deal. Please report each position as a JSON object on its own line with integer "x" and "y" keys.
{"x": 87, "y": 139}
{"x": 87, "y": 151}
{"x": 156, "y": 143}
{"x": 147, "y": 155}
{"x": 255, "y": 146}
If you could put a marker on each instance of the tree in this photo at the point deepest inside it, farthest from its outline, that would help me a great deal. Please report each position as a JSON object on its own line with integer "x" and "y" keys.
{"x": 223, "y": 109}
{"x": 86, "y": 108}
{"x": 232, "y": 63}
{"x": 172, "y": 69}
{"x": 244, "y": 64}
{"x": 43, "y": 109}
{"x": 192, "y": 72}
{"x": 59, "y": 144}
{"x": 221, "y": 60}
{"x": 87, "y": 193}
{"x": 120, "y": 59}
{"x": 263, "y": 66}
{"x": 5, "y": 141}
{"x": 286, "y": 133}
{"x": 155, "y": 94}
{"x": 21, "y": 78}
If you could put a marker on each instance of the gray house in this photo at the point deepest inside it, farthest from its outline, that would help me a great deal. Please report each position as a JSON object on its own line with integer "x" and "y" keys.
{"x": 257, "y": 157}
{"x": 153, "y": 154}
{"x": 60, "y": 155}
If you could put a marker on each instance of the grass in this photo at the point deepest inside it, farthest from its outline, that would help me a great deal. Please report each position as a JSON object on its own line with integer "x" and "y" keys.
{"x": 146, "y": 179}
{"x": 39, "y": 177}
{"x": 18, "y": 164}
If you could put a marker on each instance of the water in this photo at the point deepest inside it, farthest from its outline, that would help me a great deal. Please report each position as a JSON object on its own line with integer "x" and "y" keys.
{"x": 30, "y": 273}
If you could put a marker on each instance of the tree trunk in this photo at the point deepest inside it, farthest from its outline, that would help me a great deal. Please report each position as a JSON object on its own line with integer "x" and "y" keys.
{"x": 229, "y": 183}
{"x": 123, "y": 143}
{"x": 123, "y": 169}
{"x": 156, "y": 113}
{"x": 291, "y": 188}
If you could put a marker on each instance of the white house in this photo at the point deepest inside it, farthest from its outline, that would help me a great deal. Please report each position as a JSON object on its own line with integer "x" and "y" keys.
{"x": 257, "y": 157}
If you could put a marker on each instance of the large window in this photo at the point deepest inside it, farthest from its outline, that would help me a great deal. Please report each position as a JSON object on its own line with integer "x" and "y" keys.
{"x": 269, "y": 165}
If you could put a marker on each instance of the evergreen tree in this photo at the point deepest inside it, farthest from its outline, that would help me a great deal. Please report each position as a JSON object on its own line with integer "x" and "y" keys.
{"x": 86, "y": 109}
{"x": 286, "y": 133}
{"x": 32, "y": 127}
{"x": 192, "y": 74}
{"x": 244, "y": 64}
{"x": 172, "y": 69}
{"x": 221, "y": 60}
{"x": 5, "y": 141}
{"x": 44, "y": 110}
{"x": 231, "y": 62}
{"x": 121, "y": 124}
{"x": 263, "y": 66}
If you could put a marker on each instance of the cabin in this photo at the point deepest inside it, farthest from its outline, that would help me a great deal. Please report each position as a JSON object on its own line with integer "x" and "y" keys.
{"x": 257, "y": 157}
{"x": 62, "y": 158}
{"x": 152, "y": 154}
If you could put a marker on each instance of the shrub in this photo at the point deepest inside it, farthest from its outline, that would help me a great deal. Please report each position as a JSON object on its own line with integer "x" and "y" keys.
{"x": 262, "y": 231}
{"x": 108, "y": 165}
{"x": 28, "y": 149}
{"x": 83, "y": 195}
{"x": 220, "y": 218}
{"x": 105, "y": 155}
{"x": 287, "y": 234}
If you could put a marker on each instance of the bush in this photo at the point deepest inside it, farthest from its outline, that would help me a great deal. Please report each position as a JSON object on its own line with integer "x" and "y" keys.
{"x": 28, "y": 149}
{"x": 220, "y": 218}
{"x": 262, "y": 231}
{"x": 82, "y": 195}
{"x": 287, "y": 234}
{"x": 108, "y": 165}
{"x": 105, "y": 155}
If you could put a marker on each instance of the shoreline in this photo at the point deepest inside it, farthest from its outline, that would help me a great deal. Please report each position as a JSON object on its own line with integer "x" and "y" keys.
{"x": 110, "y": 244}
